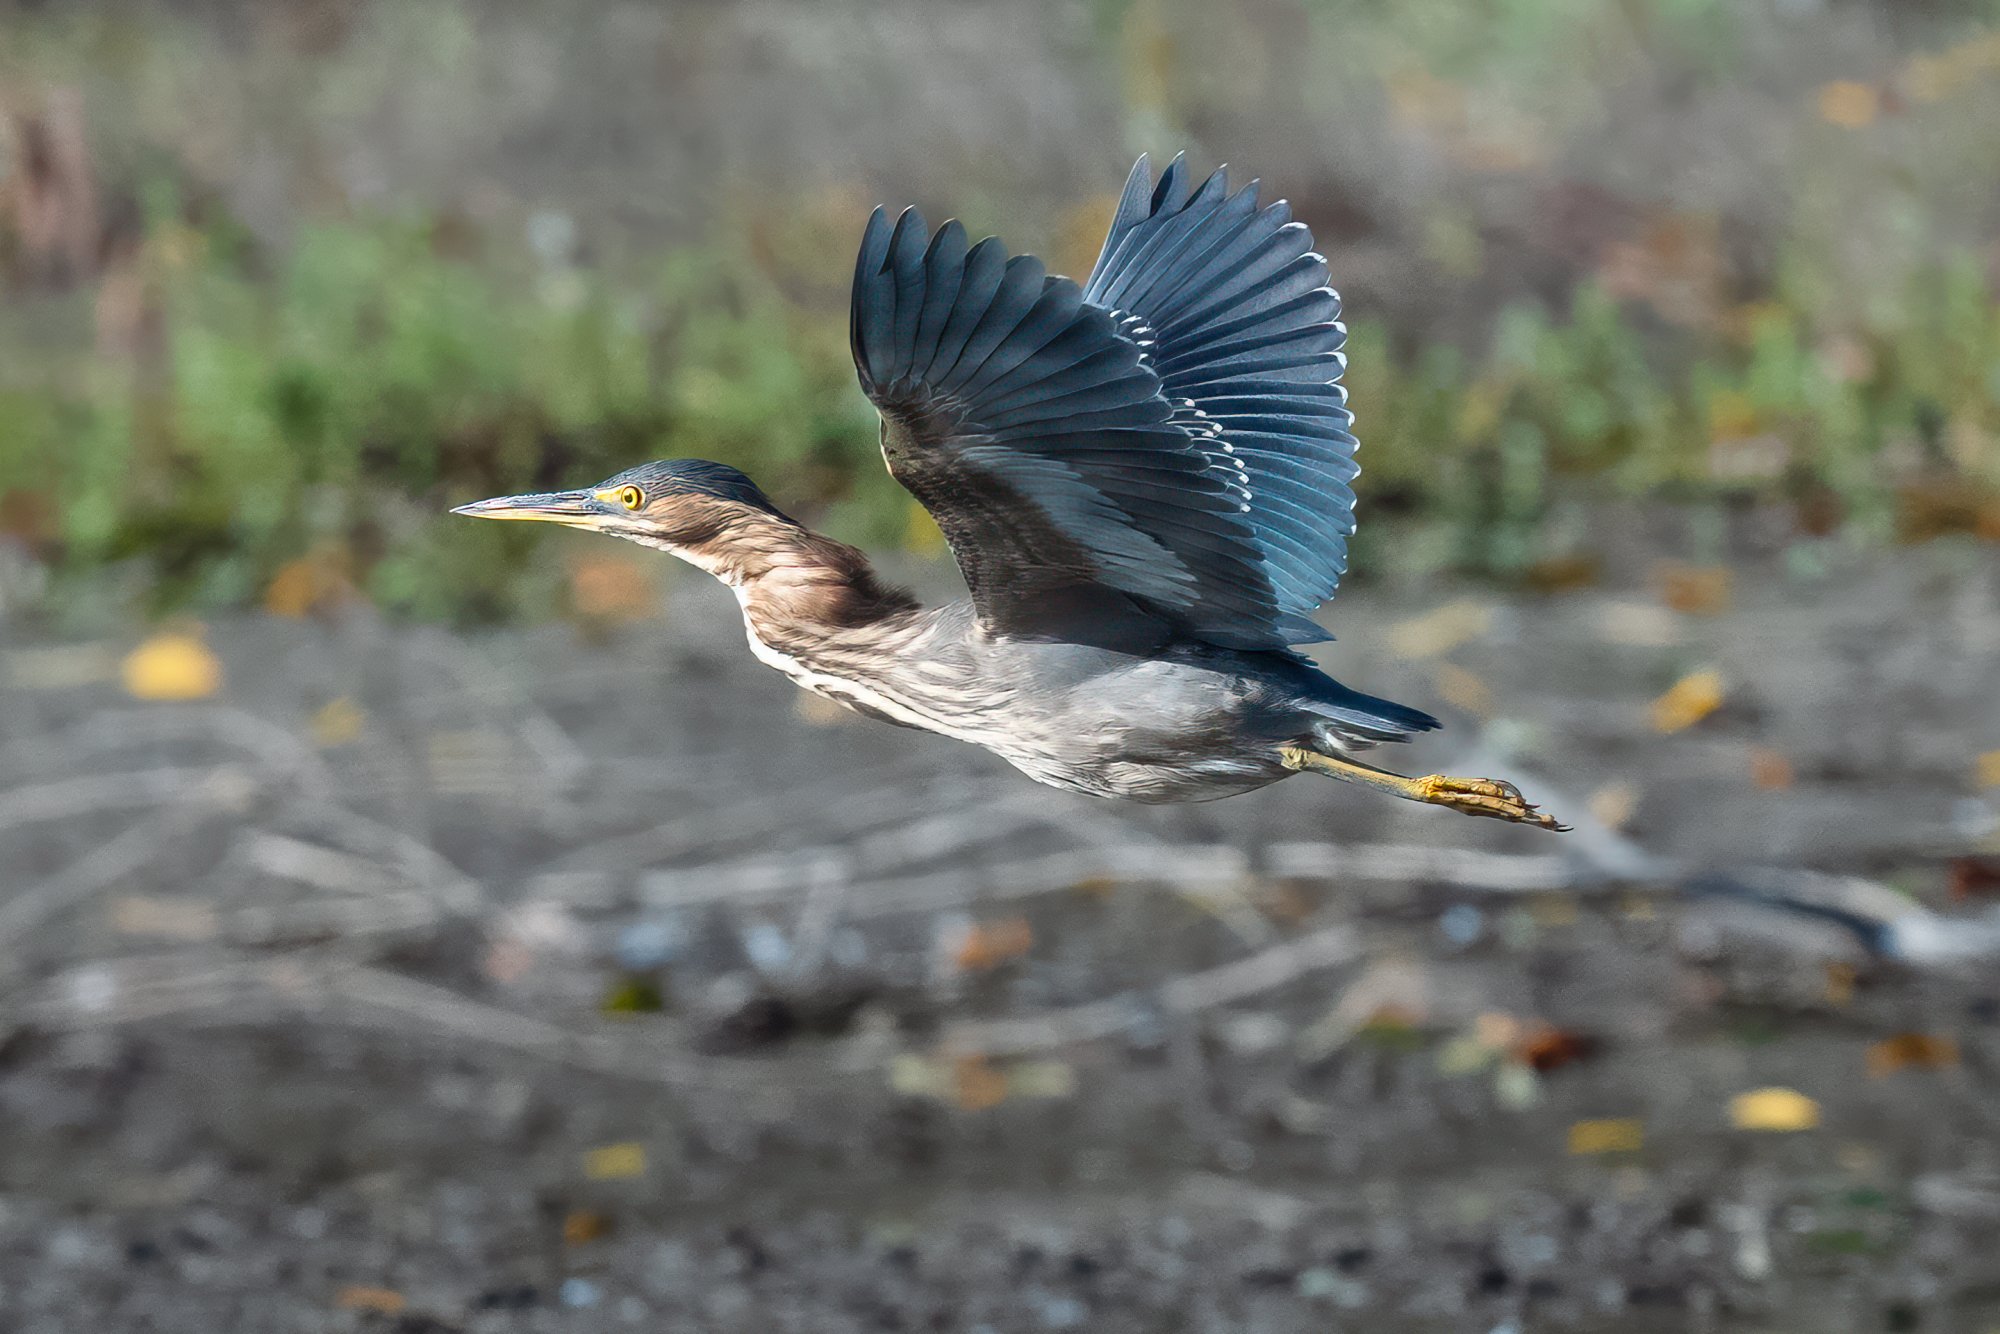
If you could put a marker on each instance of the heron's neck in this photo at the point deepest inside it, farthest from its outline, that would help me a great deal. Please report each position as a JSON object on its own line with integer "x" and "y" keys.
{"x": 797, "y": 585}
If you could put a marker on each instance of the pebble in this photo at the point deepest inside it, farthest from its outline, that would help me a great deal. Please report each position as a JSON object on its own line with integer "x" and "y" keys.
{"x": 1062, "y": 1313}
{"x": 766, "y": 947}
{"x": 1330, "y": 1285}
{"x": 649, "y": 945}
{"x": 579, "y": 1292}
{"x": 70, "y": 1246}
{"x": 1462, "y": 924}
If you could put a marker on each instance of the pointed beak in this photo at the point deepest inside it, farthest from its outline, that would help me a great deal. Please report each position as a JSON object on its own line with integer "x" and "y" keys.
{"x": 576, "y": 509}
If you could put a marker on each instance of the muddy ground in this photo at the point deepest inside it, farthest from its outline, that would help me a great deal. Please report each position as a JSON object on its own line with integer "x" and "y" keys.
{"x": 575, "y": 981}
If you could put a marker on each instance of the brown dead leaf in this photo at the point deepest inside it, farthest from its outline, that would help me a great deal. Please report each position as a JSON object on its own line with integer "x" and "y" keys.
{"x": 1911, "y": 1051}
{"x": 376, "y": 1301}
{"x": 1564, "y": 574}
{"x": 309, "y": 585}
{"x": 31, "y": 516}
{"x": 1687, "y": 702}
{"x": 1697, "y": 590}
{"x": 1973, "y": 878}
{"x": 1850, "y": 105}
{"x": 1944, "y": 507}
{"x": 1545, "y": 1047}
{"x": 1770, "y": 770}
{"x": 976, "y": 1084}
{"x": 1986, "y": 769}
{"x": 581, "y": 1226}
{"x": 987, "y": 945}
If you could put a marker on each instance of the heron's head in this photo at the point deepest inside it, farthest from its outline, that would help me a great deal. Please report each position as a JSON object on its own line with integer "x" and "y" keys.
{"x": 699, "y": 511}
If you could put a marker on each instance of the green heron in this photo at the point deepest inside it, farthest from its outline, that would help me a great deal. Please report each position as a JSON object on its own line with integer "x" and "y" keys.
{"x": 1146, "y": 480}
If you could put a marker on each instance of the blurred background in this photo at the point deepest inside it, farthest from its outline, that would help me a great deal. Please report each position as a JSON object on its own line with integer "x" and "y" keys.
{"x": 414, "y": 924}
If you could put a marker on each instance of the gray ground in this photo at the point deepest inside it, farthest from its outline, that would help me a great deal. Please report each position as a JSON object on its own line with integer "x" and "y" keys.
{"x": 287, "y": 1017}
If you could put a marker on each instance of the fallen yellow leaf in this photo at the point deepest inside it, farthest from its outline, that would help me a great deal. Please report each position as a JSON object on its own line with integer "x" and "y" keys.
{"x": 1773, "y": 1109}
{"x": 338, "y": 722}
{"x": 172, "y": 666}
{"x": 1987, "y": 768}
{"x": 1623, "y": 1134}
{"x": 615, "y": 1162}
{"x": 1849, "y": 105}
{"x": 1688, "y": 701}
{"x": 381, "y": 1301}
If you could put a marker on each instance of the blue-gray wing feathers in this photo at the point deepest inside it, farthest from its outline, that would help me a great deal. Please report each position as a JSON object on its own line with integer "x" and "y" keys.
{"x": 1164, "y": 450}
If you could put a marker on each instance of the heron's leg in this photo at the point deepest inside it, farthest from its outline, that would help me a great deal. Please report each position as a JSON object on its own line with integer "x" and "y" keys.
{"x": 1471, "y": 796}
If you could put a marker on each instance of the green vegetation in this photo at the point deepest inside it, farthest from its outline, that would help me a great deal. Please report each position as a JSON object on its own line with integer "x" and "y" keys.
{"x": 201, "y": 410}
{"x": 343, "y": 400}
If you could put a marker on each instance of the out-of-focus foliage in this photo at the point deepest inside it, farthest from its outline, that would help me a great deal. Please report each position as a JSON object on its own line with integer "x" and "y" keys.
{"x": 1674, "y": 248}
{"x": 379, "y": 373}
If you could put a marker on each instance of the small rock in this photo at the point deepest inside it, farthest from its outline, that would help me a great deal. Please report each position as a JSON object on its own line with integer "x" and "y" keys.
{"x": 1329, "y": 1285}
{"x": 646, "y": 946}
{"x": 1062, "y": 1313}
{"x": 1462, "y": 924}
{"x": 578, "y": 1293}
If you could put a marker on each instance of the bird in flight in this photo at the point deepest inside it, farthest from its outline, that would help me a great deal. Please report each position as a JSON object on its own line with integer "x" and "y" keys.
{"x": 1145, "y": 478}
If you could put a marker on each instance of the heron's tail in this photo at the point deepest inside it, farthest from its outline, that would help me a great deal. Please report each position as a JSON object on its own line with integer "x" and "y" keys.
{"x": 1355, "y": 721}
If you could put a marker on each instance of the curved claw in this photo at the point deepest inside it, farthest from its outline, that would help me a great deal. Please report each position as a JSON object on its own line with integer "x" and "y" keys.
{"x": 1491, "y": 797}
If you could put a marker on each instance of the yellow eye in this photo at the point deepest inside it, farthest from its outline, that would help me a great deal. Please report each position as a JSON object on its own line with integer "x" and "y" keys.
{"x": 631, "y": 497}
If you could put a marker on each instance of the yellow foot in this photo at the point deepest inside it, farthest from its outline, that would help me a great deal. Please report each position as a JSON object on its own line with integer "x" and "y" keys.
{"x": 1473, "y": 796}
{"x": 1484, "y": 796}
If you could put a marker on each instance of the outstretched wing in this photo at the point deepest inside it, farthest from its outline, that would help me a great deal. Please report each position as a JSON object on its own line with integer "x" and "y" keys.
{"x": 1027, "y": 420}
{"x": 1245, "y": 337}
